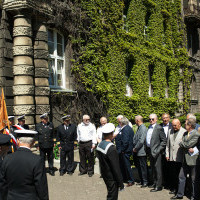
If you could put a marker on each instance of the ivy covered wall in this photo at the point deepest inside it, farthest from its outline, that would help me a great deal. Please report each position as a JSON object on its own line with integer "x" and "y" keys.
{"x": 134, "y": 42}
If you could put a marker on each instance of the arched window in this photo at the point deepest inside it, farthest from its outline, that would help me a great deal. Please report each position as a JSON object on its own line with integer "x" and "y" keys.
{"x": 193, "y": 88}
{"x": 56, "y": 59}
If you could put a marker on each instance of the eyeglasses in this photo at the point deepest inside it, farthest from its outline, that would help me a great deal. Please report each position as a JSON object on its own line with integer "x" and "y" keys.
{"x": 151, "y": 119}
{"x": 87, "y": 119}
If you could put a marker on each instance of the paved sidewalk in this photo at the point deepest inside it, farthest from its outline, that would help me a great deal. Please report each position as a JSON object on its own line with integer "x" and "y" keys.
{"x": 84, "y": 188}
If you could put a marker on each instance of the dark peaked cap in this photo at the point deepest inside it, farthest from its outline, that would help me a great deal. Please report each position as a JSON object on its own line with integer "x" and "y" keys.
{"x": 4, "y": 139}
{"x": 21, "y": 117}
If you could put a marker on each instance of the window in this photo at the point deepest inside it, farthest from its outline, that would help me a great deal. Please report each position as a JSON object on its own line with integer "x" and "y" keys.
{"x": 192, "y": 41}
{"x": 56, "y": 59}
{"x": 150, "y": 81}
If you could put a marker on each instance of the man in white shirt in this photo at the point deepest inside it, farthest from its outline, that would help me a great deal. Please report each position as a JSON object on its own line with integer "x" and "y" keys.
{"x": 156, "y": 143}
{"x": 86, "y": 136}
{"x": 103, "y": 121}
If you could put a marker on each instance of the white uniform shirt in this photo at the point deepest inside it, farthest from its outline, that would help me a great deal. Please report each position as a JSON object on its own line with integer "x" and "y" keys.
{"x": 86, "y": 133}
{"x": 149, "y": 134}
{"x": 99, "y": 133}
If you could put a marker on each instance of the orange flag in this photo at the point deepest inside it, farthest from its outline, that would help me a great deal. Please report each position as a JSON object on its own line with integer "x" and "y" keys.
{"x": 3, "y": 113}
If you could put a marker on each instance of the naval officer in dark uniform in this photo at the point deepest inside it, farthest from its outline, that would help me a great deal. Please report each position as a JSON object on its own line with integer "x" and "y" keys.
{"x": 45, "y": 138}
{"x": 13, "y": 128}
{"x": 66, "y": 136}
{"x": 4, "y": 147}
{"x": 23, "y": 173}
{"x": 21, "y": 122}
{"x": 109, "y": 163}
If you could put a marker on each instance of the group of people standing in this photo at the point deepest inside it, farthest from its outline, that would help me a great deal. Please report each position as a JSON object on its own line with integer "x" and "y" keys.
{"x": 173, "y": 152}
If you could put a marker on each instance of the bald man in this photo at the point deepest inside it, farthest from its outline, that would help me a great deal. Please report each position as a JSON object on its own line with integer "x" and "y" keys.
{"x": 174, "y": 153}
{"x": 103, "y": 121}
{"x": 86, "y": 136}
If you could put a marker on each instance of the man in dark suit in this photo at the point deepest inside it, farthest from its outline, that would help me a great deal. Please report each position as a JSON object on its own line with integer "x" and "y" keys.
{"x": 124, "y": 144}
{"x": 21, "y": 122}
{"x": 156, "y": 143}
{"x": 66, "y": 136}
{"x": 109, "y": 163}
{"x": 45, "y": 140}
{"x": 139, "y": 150}
{"x": 23, "y": 172}
{"x": 190, "y": 165}
{"x": 4, "y": 147}
{"x": 167, "y": 125}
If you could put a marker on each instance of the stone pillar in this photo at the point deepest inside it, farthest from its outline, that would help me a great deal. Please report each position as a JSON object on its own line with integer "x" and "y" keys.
{"x": 23, "y": 70}
{"x": 42, "y": 90}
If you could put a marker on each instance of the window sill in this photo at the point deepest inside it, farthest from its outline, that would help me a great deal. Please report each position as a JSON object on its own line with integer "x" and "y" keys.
{"x": 62, "y": 90}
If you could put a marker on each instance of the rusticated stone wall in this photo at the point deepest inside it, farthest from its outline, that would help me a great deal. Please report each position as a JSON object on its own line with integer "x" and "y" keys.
{"x": 6, "y": 59}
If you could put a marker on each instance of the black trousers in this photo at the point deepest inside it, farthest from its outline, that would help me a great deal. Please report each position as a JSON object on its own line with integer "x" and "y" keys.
{"x": 141, "y": 165}
{"x": 86, "y": 154}
{"x": 194, "y": 173}
{"x": 156, "y": 168}
{"x": 50, "y": 156}
{"x": 166, "y": 170}
{"x": 112, "y": 188}
{"x": 70, "y": 162}
{"x": 174, "y": 170}
{"x": 125, "y": 167}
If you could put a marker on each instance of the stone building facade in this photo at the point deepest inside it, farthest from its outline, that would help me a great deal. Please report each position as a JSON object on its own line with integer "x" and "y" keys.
{"x": 35, "y": 58}
{"x": 191, "y": 14}
{"x": 28, "y": 47}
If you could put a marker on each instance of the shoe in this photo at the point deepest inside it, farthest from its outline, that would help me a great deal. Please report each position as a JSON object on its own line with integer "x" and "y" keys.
{"x": 81, "y": 173}
{"x": 130, "y": 184}
{"x": 62, "y": 173}
{"x": 144, "y": 185}
{"x": 70, "y": 173}
{"x": 176, "y": 197}
{"x": 139, "y": 183}
{"x": 152, "y": 186}
{"x": 90, "y": 175}
{"x": 156, "y": 189}
{"x": 172, "y": 192}
{"x": 52, "y": 173}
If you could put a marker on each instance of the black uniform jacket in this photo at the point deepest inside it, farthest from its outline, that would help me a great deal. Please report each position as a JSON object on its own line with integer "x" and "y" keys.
{"x": 109, "y": 162}
{"x": 66, "y": 137}
{"x": 25, "y": 126}
{"x": 24, "y": 174}
{"x": 45, "y": 135}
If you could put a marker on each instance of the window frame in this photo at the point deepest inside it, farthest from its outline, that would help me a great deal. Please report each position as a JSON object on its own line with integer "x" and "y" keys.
{"x": 56, "y": 58}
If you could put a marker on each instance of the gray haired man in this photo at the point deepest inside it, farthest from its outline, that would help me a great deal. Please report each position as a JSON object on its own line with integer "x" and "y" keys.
{"x": 189, "y": 144}
{"x": 156, "y": 143}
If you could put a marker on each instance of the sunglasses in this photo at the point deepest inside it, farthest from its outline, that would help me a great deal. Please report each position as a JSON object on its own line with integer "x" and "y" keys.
{"x": 151, "y": 119}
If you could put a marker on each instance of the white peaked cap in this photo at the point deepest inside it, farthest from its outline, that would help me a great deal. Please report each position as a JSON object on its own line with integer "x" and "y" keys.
{"x": 108, "y": 128}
